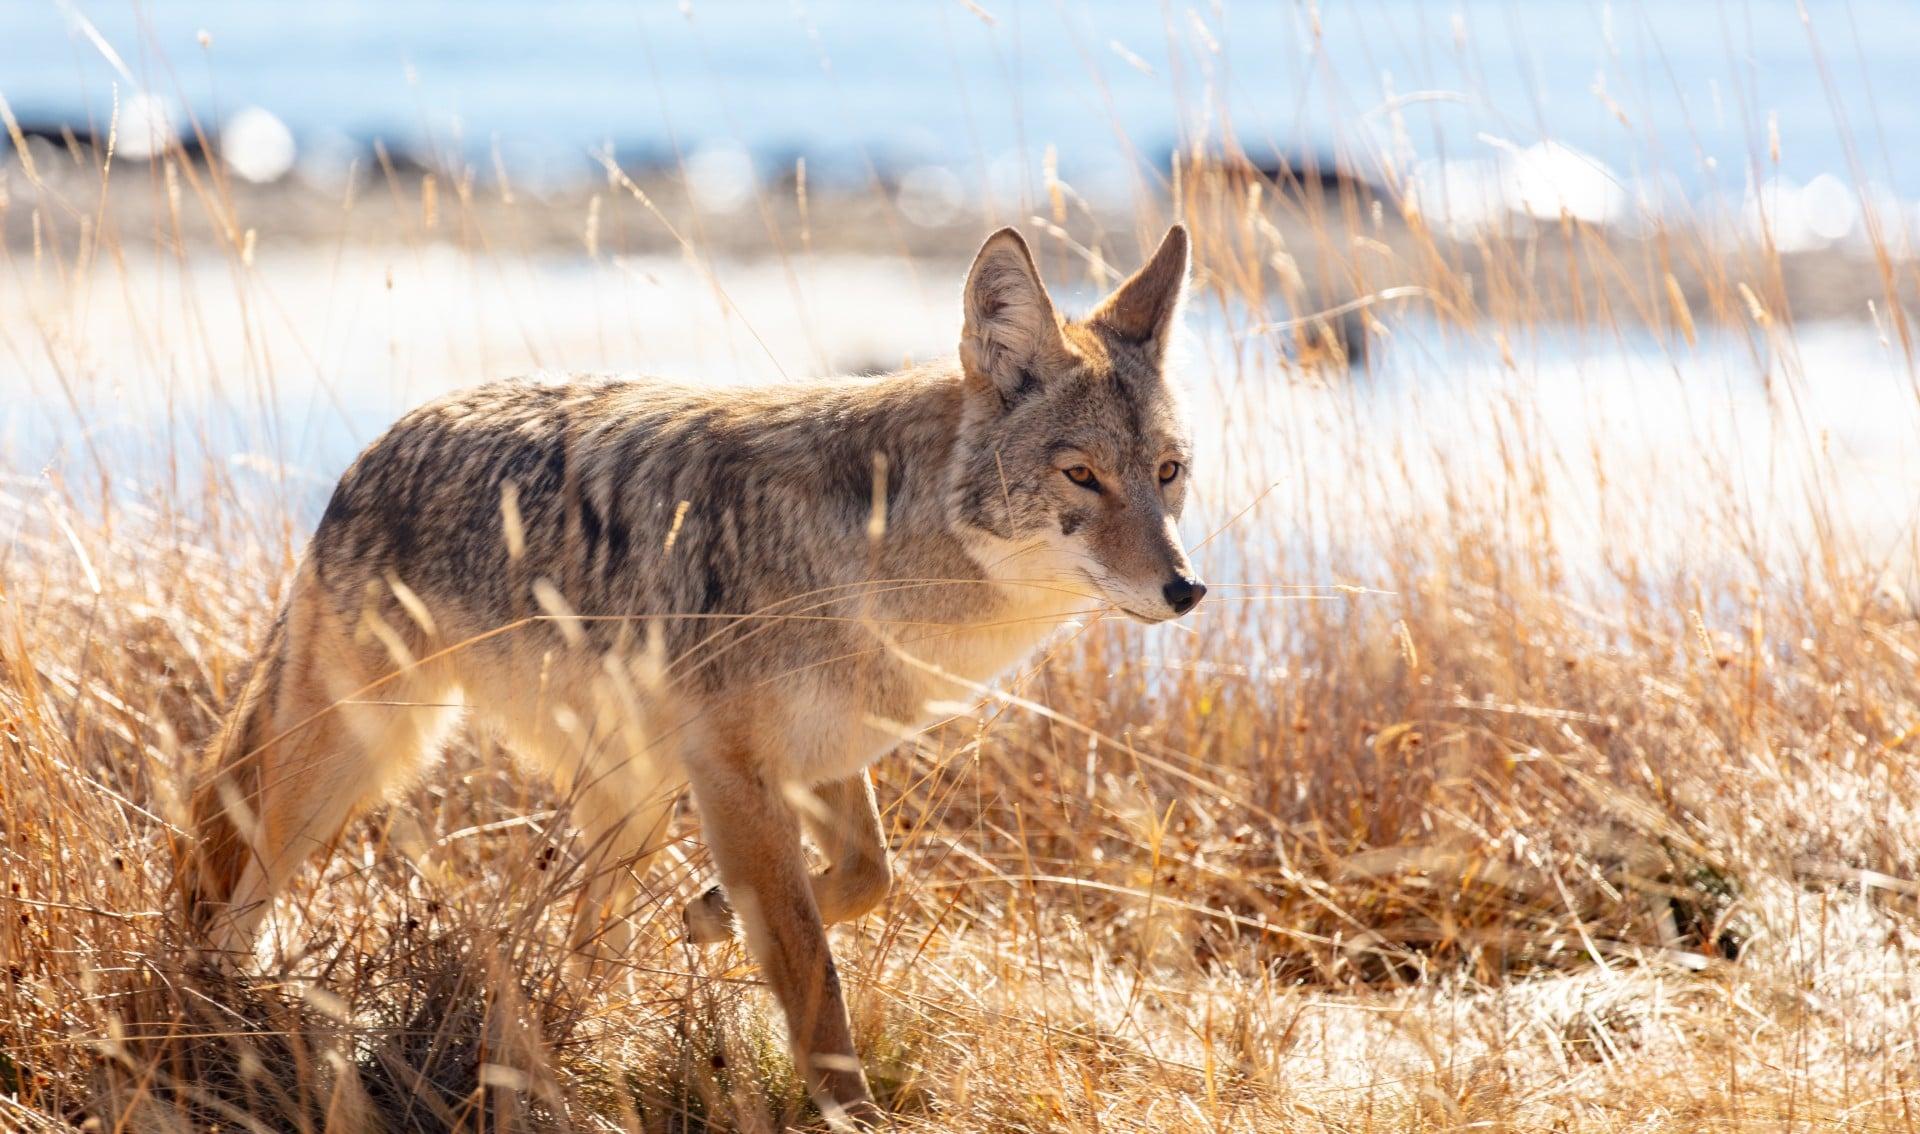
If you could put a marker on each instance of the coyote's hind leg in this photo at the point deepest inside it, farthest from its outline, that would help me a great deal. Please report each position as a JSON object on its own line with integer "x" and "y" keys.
{"x": 326, "y": 727}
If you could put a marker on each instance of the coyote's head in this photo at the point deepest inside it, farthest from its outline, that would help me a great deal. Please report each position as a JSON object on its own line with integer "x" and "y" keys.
{"x": 1074, "y": 453}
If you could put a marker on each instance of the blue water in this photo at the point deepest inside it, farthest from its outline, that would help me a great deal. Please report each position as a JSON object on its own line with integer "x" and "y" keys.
{"x": 1692, "y": 89}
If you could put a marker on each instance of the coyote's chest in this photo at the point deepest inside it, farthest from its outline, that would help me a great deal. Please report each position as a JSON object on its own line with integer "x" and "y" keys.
{"x": 932, "y": 670}
{"x": 950, "y": 666}
{"x": 1003, "y": 637}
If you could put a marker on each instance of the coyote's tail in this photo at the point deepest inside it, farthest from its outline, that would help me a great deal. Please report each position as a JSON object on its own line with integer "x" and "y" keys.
{"x": 226, "y": 788}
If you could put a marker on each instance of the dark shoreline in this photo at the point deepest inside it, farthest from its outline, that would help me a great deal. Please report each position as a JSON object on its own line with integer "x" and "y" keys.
{"x": 1338, "y": 240}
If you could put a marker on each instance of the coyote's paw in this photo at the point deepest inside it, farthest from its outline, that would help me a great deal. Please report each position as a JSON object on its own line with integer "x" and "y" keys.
{"x": 858, "y": 1115}
{"x": 710, "y": 919}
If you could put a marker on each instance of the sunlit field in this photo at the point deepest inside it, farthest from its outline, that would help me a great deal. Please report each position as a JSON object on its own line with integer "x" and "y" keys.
{"x": 1544, "y": 757}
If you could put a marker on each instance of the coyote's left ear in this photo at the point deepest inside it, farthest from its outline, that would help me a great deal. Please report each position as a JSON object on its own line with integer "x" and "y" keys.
{"x": 1143, "y": 309}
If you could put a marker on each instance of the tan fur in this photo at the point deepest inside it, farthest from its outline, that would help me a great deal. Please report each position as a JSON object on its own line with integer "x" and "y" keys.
{"x": 750, "y": 591}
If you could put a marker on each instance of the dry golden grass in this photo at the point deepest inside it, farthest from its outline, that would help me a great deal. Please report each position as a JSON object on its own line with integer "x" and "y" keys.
{"x": 1422, "y": 830}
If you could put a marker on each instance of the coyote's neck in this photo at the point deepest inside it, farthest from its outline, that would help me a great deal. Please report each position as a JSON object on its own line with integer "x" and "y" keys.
{"x": 1009, "y": 595}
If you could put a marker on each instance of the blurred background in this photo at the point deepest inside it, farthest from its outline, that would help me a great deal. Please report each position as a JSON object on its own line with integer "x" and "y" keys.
{"x": 1608, "y": 109}
{"x": 421, "y": 196}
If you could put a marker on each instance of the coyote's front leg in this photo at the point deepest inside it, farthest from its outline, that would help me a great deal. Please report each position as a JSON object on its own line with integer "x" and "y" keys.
{"x": 754, "y": 837}
{"x": 844, "y": 822}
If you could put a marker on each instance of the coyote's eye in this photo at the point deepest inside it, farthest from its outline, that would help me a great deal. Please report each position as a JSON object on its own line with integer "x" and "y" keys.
{"x": 1169, "y": 470}
{"x": 1083, "y": 476}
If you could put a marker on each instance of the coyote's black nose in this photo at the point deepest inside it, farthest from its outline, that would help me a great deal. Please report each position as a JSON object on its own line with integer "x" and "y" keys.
{"x": 1184, "y": 594}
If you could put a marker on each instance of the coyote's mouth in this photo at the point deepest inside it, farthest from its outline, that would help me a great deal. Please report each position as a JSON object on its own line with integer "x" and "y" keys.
{"x": 1100, "y": 594}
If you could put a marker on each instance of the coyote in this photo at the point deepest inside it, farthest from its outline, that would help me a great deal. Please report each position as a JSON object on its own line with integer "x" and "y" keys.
{"x": 755, "y": 592}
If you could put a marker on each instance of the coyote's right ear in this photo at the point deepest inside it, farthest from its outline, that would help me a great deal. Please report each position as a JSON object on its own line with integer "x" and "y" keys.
{"x": 1010, "y": 325}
